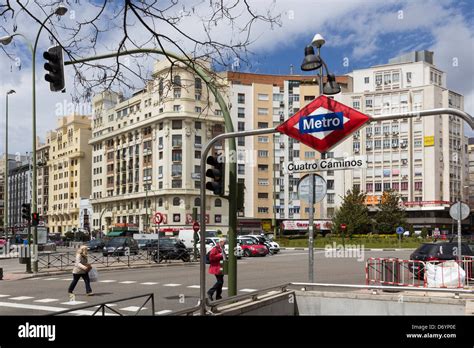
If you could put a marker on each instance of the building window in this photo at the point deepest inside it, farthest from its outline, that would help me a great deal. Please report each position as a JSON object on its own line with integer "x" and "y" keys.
{"x": 241, "y": 98}
{"x": 262, "y": 124}
{"x": 263, "y": 195}
{"x": 176, "y": 201}
{"x": 263, "y": 97}
{"x": 241, "y": 169}
{"x": 176, "y": 170}
{"x": 404, "y": 186}
{"x": 240, "y": 126}
{"x": 197, "y": 109}
{"x": 176, "y": 183}
{"x": 176, "y": 156}
{"x": 366, "y": 80}
{"x": 409, "y": 77}
{"x": 176, "y": 217}
{"x": 176, "y": 140}
{"x": 218, "y": 218}
{"x": 330, "y": 198}
{"x": 197, "y": 154}
{"x": 386, "y": 186}
{"x": 198, "y": 124}
{"x": 176, "y": 108}
{"x": 262, "y": 210}
{"x": 177, "y": 124}
{"x": 262, "y": 153}
{"x": 218, "y": 202}
{"x": 241, "y": 112}
{"x": 262, "y": 111}
{"x": 369, "y": 187}
{"x": 418, "y": 185}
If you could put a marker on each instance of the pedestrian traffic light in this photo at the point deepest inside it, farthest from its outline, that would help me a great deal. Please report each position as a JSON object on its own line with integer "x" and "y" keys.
{"x": 217, "y": 173}
{"x": 35, "y": 219}
{"x": 55, "y": 66}
{"x": 26, "y": 211}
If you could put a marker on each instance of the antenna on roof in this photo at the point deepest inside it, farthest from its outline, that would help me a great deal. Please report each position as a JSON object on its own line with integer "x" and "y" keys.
{"x": 291, "y": 69}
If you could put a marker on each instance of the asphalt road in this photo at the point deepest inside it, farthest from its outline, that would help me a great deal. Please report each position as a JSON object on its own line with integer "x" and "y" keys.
{"x": 176, "y": 287}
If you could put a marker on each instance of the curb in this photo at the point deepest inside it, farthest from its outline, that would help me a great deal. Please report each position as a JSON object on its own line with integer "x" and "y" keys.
{"x": 369, "y": 249}
{"x": 101, "y": 269}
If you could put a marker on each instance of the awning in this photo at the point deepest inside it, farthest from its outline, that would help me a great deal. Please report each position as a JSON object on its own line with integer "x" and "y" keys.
{"x": 114, "y": 234}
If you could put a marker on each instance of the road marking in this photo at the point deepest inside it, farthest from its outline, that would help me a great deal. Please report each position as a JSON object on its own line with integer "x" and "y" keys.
{"x": 171, "y": 284}
{"x": 132, "y": 308}
{"x": 65, "y": 279}
{"x": 128, "y": 282}
{"x": 248, "y": 290}
{"x": 163, "y": 312}
{"x": 108, "y": 305}
{"x": 29, "y": 306}
{"x": 4, "y": 295}
{"x": 107, "y": 281}
{"x": 73, "y": 303}
{"x": 194, "y": 286}
{"x": 149, "y": 283}
{"x": 50, "y": 278}
{"x": 47, "y": 300}
{"x": 224, "y": 288}
{"x": 21, "y": 298}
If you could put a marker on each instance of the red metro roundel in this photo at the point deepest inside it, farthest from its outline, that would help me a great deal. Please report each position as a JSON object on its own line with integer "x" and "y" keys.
{"x": 323, "y": 123}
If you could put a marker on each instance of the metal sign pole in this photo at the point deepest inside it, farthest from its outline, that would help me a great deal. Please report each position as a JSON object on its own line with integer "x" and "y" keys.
{"x": 459, "y": 233}
{"x": 311, "y": 230}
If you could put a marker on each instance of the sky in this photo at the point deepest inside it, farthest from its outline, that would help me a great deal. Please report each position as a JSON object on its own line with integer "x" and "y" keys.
{"x": 358, "y": 34}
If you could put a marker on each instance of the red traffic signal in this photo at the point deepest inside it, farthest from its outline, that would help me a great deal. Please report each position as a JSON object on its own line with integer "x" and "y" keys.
{"x": 35, "y": 219}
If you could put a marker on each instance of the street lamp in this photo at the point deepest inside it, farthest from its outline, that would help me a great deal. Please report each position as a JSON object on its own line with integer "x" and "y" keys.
{"x": 60, "y": 11}
{"x": 5, "y": 190}
{"x": 311, "y": 62}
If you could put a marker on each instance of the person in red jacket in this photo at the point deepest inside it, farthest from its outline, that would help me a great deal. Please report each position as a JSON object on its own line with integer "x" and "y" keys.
{"x": 215, "y": 256}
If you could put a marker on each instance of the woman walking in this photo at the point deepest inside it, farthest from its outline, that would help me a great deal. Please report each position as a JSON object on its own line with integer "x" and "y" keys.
{"x": 81, "y": 270}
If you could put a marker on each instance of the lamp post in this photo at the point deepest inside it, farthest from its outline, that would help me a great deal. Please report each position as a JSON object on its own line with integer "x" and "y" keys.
{"x": 311, "y": 62}
{"x": 60, "y": 11}
{"x": 5, "y": 190}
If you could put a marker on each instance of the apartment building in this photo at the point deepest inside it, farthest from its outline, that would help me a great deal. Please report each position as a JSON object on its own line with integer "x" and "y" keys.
{"x": 261, "y": 101}
{"x": 19, "y": 192}
{"x": 146, "y": 153}
{"x": 471, "y": 180}
{"x": 424, "y": 159}
{"x": 42, "y": 178}
{"x": 14, "y": 160}
{"x": 70, "y": 159}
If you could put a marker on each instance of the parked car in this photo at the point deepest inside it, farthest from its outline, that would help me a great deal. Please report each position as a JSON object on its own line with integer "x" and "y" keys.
{"x": 251, "y": 247}
{"x": 95, "y": 245}
{"x": 213, "y": 241}
{"x": 272, "y": 246}
{"x": 440, "y": 251}
{"x": 171, "y": 249}
{"x": 118, "y": 245}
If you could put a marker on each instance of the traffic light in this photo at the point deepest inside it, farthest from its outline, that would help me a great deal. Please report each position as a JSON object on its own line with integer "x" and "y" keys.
{"x": 26, "y": 211}
{"x": 217, "y": 173}
{"x": 35, "y": 219}
{"x": 55, "y": 66}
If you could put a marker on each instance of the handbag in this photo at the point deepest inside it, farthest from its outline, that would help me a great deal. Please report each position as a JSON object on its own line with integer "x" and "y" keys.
{"x": 93, "y": 275}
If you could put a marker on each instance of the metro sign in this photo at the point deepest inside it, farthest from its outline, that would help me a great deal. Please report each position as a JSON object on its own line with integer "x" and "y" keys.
{"x": 323, "y": 123}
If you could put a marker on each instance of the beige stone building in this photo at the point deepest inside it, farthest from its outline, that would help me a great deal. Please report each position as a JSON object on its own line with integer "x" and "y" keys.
{"x": 69, "y": 163}
{"x": 42, "y": 176}
{"x": 147, "y": 150}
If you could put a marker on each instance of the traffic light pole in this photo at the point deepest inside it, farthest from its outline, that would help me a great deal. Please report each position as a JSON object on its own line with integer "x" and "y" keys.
{"x": 232, "y": 205}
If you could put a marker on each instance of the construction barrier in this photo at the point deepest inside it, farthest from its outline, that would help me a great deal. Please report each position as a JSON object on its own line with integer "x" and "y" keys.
{"x": 428, "y": 274}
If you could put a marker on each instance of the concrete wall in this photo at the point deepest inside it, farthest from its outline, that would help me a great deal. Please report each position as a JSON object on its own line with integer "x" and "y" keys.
{"x": 345, "y": 303}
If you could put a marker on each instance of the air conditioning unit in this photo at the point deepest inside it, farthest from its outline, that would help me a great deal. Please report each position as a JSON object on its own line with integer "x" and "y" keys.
{"x": 395, "y": 133}
{"x": 368, "y": 147}
{"x": 394, "y": 146}
{"x": 387, "y": 133}
{"x": 356, "y": 150}
{"x": 369, "y": 135}
{"x": 403, "y": 145}
{"x": 404, "y": 161}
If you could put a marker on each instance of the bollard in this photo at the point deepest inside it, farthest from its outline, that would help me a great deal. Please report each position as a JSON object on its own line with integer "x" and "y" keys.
{"x": 1, "y": 273}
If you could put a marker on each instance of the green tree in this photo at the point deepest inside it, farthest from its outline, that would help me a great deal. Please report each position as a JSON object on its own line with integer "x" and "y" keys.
{"x": 353, "y": 213}
{"x": 390, "y": 214}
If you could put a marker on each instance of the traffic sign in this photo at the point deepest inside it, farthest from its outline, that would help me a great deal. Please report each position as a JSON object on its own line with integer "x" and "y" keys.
{"x": 196, "y": 226}
{"x": 353, "y": 162}
{"x": 343, "y": 226}
{"x": 454, "y": 210}
{"x": 323, "y": 123}
{"x": 400, "y": 230}
{"x": 158, "y": 218}
{"x": 320, "y": 188}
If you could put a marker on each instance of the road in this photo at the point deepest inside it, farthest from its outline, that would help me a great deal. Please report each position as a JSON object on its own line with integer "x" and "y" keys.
{"x": 176, "y": 287}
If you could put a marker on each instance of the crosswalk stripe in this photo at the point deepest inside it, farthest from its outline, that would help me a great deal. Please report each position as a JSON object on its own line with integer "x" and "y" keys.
{"x": 248, "y": 290}
{"x": 4, "y": 295}
{"x": 29, "y": 306}
{"x": 73, "y": 303}
{"x": 47, "y": 300}
{"x": 50, "y": 278}
{"x": 163, "y": 312}
{"x": 194, "y": 286}
{"x": 21, "y": 298}
{"x": 171, "y": 284}
{"x": 107, "y": 281}
{"x": 132, "y": 308}
{"x": 128, "y": 282}
{"x": 149, "y": 283}
{"x": 108, "y": 305}
{"x": 224, "y": 288}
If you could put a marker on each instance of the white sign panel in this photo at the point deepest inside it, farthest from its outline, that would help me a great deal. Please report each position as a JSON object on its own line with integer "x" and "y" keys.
{"x": 354, "y": 162}
{"x": 319, "y": 187}
{"x": 150, "y": 236}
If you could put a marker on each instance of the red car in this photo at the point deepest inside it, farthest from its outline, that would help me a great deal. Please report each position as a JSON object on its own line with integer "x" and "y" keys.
{"x": 251, "y": 248}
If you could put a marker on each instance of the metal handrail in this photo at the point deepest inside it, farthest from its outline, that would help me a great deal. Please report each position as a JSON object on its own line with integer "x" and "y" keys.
{"x": 149, "y": 296}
